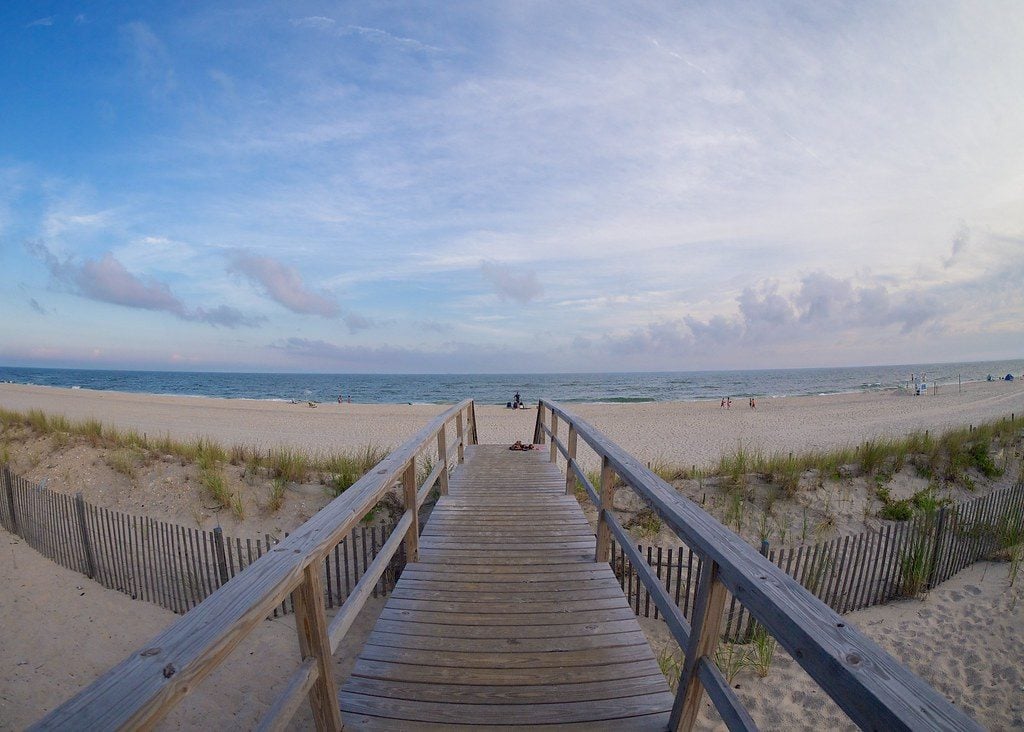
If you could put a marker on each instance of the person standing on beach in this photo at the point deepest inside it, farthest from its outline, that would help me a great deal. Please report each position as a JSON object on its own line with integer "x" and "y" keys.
{"x": 728, "y": 402}
{"x": 723, "y": 403}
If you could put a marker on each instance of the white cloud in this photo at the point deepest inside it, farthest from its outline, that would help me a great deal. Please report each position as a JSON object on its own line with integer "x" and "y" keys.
{"x": 314, "y": 21}
{"x": 511, "y": 281}
{"x": 152, "y": 61}
{"x": 283, "y": 284}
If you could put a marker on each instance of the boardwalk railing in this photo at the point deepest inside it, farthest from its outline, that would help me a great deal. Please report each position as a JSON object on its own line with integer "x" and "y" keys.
{"x": 140, "y": 690}
{"x": 173, "y": 566}
{"x": 872, "y": 687}
{"x": 896, "y": 560}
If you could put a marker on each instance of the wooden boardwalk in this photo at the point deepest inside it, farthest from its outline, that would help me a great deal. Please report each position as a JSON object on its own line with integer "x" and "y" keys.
{"x": 506, "y": 620}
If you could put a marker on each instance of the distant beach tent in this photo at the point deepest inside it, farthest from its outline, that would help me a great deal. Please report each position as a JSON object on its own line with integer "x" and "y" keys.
{"x": 1009, "y": 377}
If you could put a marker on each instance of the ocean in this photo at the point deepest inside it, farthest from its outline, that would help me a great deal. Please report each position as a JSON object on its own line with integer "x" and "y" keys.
{"x": 499, "y": 388}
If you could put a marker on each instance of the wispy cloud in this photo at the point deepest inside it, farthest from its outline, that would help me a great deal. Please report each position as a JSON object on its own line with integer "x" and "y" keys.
{"x": 283, "y": 284}
{"x": 379, "y": 35}
{"x": 512, "y": 282}
{"x": 107, "y": 280}
{"x": 41, "y": 22}
{"x": 319, "y": 22}
{"x": 357, "y": 322}
{"x": 449, "y": 356}
{"x": 151, "y": 60}
{"x": 375, "y": 35}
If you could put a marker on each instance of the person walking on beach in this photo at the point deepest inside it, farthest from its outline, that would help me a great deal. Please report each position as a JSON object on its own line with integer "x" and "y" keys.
{"x": 723, "y": 403}
{"x": 728, "y": 402}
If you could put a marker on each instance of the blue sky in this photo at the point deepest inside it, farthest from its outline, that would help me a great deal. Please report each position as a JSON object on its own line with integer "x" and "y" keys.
{"x": 514, "y": 186}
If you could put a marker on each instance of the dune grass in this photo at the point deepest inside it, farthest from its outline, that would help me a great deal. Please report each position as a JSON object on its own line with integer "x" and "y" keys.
{"x": 126, "y": 449}
{"x": 947, "y": 456}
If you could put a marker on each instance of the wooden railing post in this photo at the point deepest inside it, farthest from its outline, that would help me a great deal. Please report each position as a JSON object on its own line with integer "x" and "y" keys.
{"x": 554, "y": 437}
{"x": 311, "y": 624}
{"x": 460, "y": 436}
{"x": 474, "y": 438}
{"x": 704, "y": 633}
{"x": 9, "y": 490}
{"x": 570, "y": 477}
{"x": 83, "y": 529}
{"x": 412, "y": 535}
{"x": 603, "y": 552}
{"x": 538, "y": 433}
{"x": 442, "y": 455}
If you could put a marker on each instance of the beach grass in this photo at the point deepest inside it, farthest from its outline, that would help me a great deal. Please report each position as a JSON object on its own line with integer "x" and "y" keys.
{"x": 276, "y": 499}
{"x": 947, "y": 456}
{"x": 126, "y": 449}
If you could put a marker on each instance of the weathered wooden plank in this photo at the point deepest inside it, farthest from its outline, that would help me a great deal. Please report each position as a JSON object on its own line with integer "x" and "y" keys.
{"x": 491, "y": 694}
{"x": 673, "y": 616}
{"x": 311, "y": 626}
{"x": 704, "y": 636}
{"x": 506, "y": 645}
{"x": 534, "y": 562}
{"x": 284, "y": 706}
{"x": 454, "y": 557}
{"x": 522, "y": 714}
{"x": 535, "y": 573}
{"x": 344, "y": 618}
{"x": 517, "y": 595}
{"x": 579, "y": 629}
{"x": 444, "y": 675}
{"x": 506, "y": 533}
{"x": 733, "y": 713}
{"x": 649, "y": 723}
{"x": 605, "y": 656}
{"x": 502, "y": 619}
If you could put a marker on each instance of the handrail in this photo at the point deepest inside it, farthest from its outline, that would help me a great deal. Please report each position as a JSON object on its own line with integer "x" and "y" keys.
{"x": 872, "y": 687}
{"x": 141, "y": 689}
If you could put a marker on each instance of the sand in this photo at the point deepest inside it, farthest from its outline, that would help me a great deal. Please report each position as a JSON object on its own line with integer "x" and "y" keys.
{"x": 58, "y": 630}
{"x": 965, "y": 639}
{"x": 682, "y": 433}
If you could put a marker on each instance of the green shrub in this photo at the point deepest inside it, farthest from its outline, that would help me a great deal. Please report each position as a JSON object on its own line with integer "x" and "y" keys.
{"x": 982, "y": 460}
{"x": 897, "y": 510}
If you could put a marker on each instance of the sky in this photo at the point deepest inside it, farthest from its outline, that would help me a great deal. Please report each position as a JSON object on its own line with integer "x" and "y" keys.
{"x": 510, "y": 187}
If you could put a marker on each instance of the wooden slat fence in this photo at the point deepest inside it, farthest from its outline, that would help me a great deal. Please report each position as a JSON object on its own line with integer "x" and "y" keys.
{"x": 897, "y": 560}
{"x": 173, "y": 566}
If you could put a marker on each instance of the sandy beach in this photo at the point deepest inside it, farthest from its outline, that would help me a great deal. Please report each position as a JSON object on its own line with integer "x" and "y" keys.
{"x": 681, "y": 433}
{"x": 58, "y": 630}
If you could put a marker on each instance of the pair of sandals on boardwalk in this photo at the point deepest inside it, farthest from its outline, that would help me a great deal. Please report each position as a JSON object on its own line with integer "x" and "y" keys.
{"x": 520, "y": 446}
